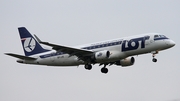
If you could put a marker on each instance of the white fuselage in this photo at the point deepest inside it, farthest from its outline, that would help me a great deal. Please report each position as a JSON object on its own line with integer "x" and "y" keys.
{"x": 118, "y": 48}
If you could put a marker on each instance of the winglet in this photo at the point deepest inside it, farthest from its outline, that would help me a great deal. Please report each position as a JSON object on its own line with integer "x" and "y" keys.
{"x": 42, "y": 42}
{"x": 37, "y": 38}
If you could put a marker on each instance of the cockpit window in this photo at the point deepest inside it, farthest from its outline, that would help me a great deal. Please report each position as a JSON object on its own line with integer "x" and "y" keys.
{"x": 159, "y": 37}
{"x": 162, "y": 36}
{"x": 156, "y": 36}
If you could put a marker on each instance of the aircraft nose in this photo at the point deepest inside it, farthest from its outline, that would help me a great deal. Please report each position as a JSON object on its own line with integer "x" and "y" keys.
{"x": 172, "y": 43}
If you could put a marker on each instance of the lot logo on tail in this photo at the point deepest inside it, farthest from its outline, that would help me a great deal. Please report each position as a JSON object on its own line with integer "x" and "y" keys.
{"x": 29, "y": 44}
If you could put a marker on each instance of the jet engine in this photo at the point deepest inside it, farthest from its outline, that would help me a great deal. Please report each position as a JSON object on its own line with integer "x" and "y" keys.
{"x": 101, "y": 55}
{"x": 126, "y": 62}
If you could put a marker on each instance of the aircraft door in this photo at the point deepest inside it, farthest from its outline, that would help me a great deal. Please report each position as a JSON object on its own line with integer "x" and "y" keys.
{"x": 147, "y": 40}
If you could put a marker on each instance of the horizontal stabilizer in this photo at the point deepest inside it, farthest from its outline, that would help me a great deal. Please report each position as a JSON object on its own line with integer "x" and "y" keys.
{"x": 20, "y": 56}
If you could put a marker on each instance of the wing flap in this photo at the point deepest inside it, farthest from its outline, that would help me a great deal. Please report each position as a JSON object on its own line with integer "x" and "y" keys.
{"x": 20, "y": 56}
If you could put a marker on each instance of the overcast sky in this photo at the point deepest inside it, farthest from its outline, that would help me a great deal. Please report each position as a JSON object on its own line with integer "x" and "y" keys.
{"x": 75, "y": 22}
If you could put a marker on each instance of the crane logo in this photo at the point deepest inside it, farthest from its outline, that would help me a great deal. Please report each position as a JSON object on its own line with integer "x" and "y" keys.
{"x": 29, "y": 44}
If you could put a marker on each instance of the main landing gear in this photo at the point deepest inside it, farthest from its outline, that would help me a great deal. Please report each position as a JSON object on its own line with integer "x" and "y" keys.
{"x": 153, "y": 55}
{"x": 88, "y": 66}
{"x": 103, "y": 70}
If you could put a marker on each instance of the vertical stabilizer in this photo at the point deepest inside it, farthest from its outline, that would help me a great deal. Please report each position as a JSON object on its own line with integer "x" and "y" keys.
{"x": 29, "y": 43}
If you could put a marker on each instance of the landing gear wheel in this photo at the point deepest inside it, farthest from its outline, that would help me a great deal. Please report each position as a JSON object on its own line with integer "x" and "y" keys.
{"x": 153, "y": 55}
{"x": 104, "y": 70}
{"x": 154, "y": 60}
{"x": 88, "y": 67}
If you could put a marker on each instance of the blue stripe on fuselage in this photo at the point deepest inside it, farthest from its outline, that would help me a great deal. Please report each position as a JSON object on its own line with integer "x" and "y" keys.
{"x": 51, "y": 54}
{"x": 160, "y": 38}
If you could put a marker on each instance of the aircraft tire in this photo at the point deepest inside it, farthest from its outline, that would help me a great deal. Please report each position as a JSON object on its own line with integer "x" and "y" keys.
{"x": 154, "y": 60}
{"x": 88, "y": 67}
{"x": 104, "y": 70}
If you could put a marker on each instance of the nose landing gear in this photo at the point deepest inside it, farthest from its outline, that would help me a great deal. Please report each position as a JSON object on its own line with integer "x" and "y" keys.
{"x": 154, "y": 60}
{"x": 153, "y": 55}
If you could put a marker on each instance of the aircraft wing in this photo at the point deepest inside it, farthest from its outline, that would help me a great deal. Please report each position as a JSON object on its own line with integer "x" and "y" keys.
{"x": 69, "y": 50}
{"x": 20, "y": 56}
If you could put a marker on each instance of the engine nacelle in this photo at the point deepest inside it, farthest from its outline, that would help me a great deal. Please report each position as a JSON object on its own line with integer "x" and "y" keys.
{"x": 126, "y": 62}
{"x": 101, "y": 55}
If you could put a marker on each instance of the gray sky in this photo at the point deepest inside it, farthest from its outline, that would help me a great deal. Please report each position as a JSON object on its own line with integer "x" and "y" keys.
{"x": 79, "y": 22}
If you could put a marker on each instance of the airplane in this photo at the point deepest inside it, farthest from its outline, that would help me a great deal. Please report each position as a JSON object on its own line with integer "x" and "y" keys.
{"x": 118, "y": 52}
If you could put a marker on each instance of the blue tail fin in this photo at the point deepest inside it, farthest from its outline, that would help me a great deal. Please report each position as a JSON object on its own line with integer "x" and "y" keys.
{"x": 29, "y": 44}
